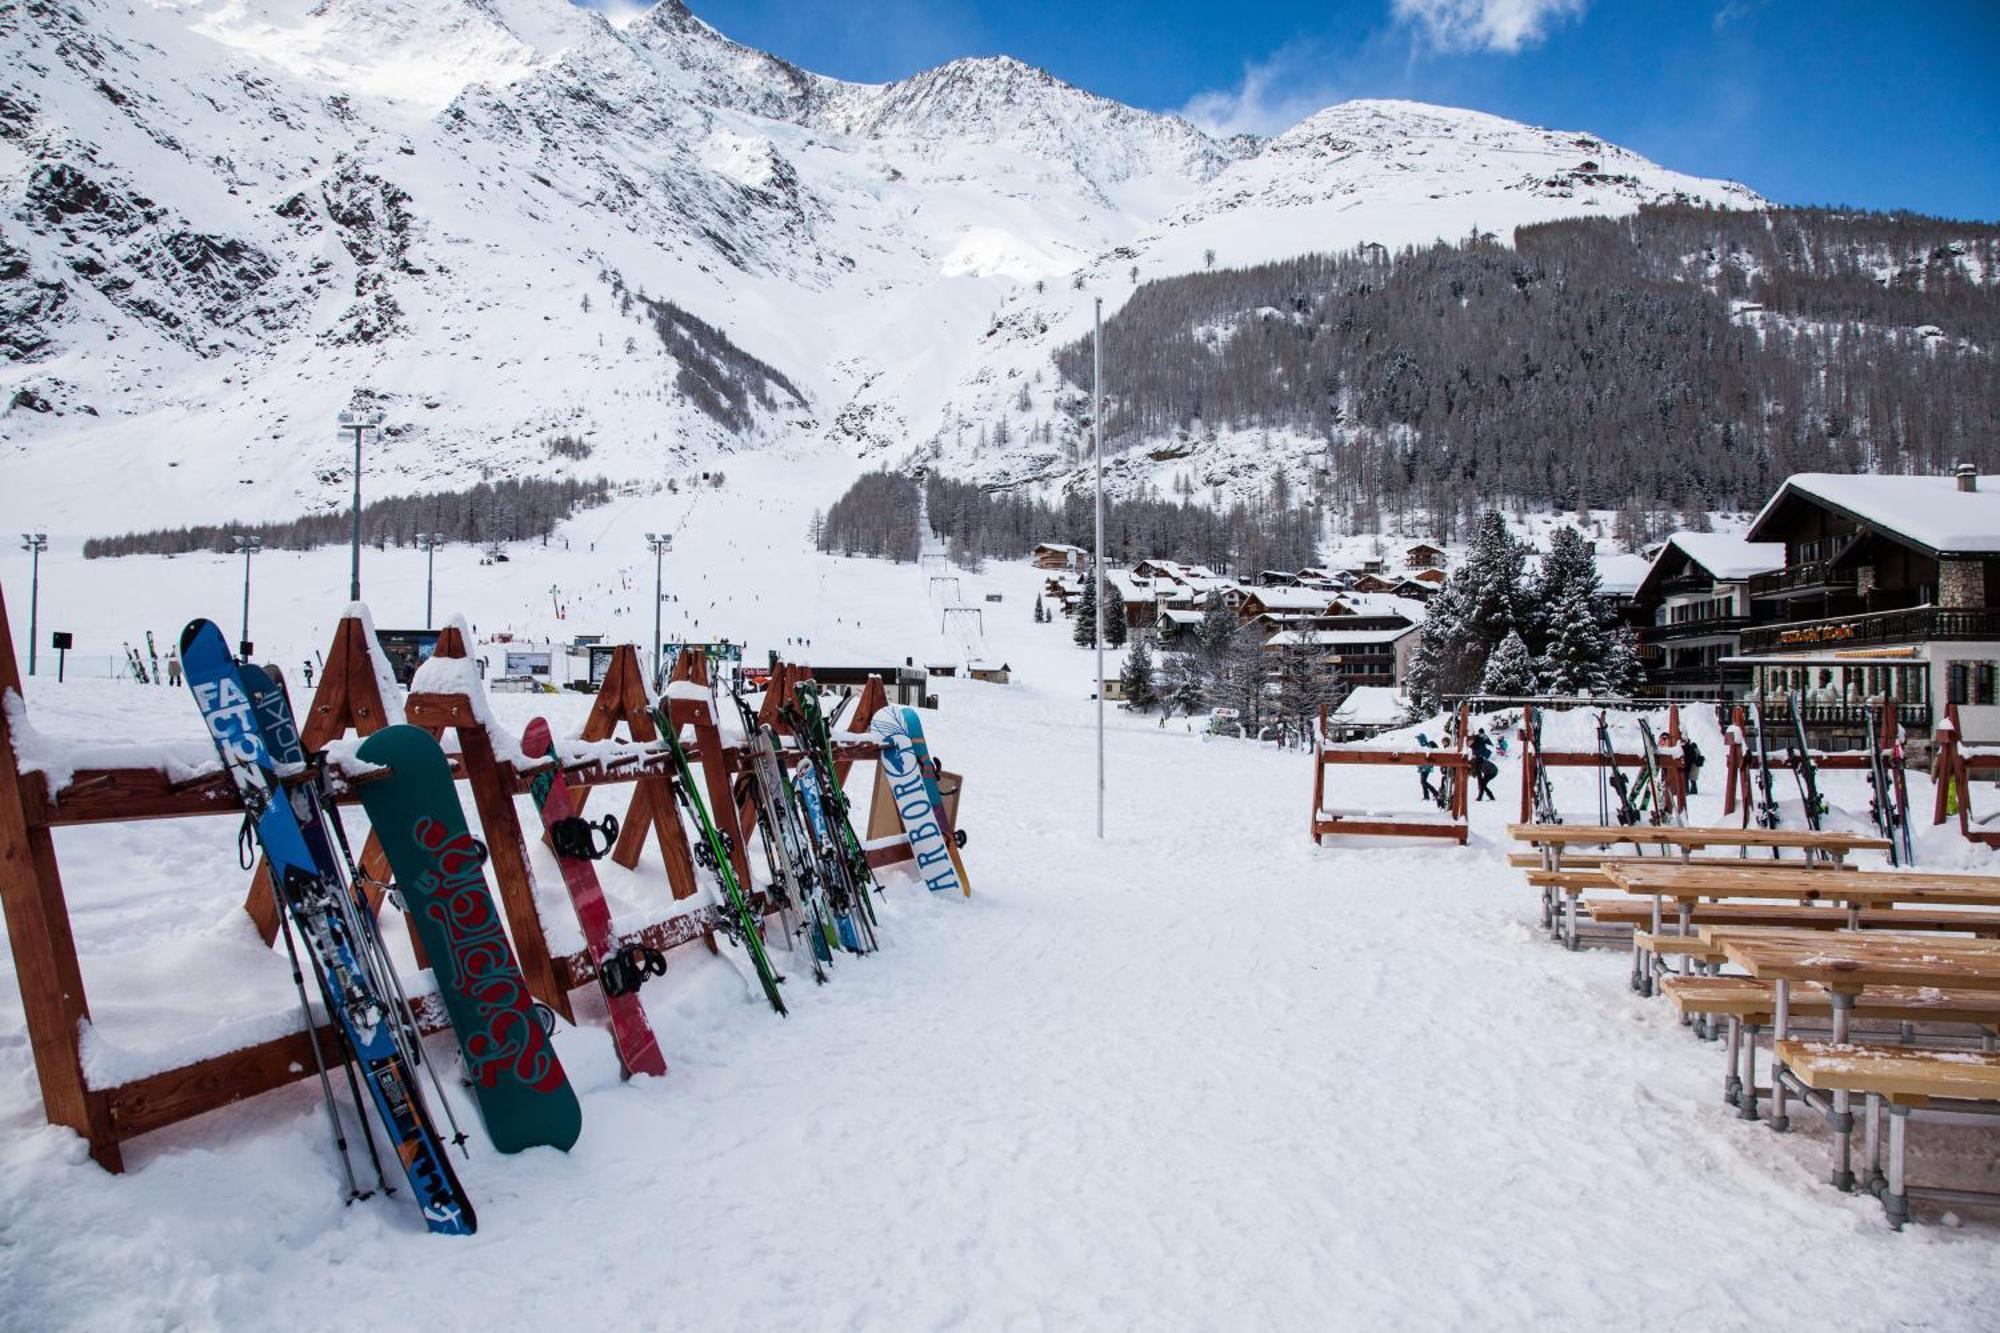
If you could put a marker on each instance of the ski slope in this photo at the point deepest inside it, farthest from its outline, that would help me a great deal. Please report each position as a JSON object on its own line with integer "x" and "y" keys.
{"x": 1197, "y": 1075}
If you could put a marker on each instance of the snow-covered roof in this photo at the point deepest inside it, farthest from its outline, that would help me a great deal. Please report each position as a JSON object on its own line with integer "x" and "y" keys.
{"x": 1385, "y": 604}
{"x": 1928, "y": 511}
{"x": 1181, "y": 617}
{"x": 1293, "y": 599}
{"x": 1064, "y": 547}
{"x": 1724, "y": 555}
{"x": 1335, "y": 638}
{"x": 1373, "y": 706}
{"x": 1619, "y": 574}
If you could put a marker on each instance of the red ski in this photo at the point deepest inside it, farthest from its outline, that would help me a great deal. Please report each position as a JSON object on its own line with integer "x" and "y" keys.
{"x": 620, "y": 971}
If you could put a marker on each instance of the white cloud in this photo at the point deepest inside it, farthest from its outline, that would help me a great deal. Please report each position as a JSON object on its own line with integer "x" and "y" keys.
{"x": 1485, "y": 25}
{"x": 1274, "y": 95}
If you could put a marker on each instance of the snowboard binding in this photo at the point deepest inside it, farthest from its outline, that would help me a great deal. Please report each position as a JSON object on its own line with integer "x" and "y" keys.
{"x": 576, "y": 837}
{"x": 624, "y": 972}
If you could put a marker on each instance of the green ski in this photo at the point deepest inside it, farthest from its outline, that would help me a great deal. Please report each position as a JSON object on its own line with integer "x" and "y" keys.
{"x": 712, "y": 854}
{"x": 523, "y": 1094}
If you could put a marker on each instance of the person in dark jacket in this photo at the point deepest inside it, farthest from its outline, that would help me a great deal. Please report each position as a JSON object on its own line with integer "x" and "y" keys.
{"x": 1424, "y": 771}
{"x": 1692, "y": 761}
{"x": 1484, "y": 770}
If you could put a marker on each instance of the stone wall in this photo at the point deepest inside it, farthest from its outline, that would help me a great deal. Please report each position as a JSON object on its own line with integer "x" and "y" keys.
{"x": 1962, "y": 584}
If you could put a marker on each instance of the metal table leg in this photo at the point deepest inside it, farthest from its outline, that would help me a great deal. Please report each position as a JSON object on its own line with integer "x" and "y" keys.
{"x": 1896, "y": 1200}
{"x": 1842, "y": 1116}
{"x": 1781, "y": 1026}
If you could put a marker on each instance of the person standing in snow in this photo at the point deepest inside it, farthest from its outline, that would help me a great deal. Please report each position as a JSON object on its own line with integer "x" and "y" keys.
{"x": 173, "y": 669}
{"x": 1424, "y": 771}
{"x": 1483, "y": 767}
{"x": 1691, "y": 762}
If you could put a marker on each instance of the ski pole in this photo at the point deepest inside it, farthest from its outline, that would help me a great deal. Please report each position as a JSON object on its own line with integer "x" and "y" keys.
{"x": 312, "y": 1040}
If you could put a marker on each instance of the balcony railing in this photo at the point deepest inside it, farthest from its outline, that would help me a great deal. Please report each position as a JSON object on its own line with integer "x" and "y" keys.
{"x": 1712, "y": 627}
{"x": 1916, "y": 718}
{"x": 1809, "y": 577}
{"x": 1918, "y": 625}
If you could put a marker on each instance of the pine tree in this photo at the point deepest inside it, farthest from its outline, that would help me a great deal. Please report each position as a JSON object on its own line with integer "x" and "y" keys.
{"x": 1477, "y": 608}
{"x": 1570, "y": 560}
{"x": 1510, "y": 671}
{"x": 1575, "y": 660}
{"x": 1040, "y": 614}
{"x": 1187, "y": 685}
{"x": 1137, "y": 676}
{"x": 1085, "y": 631}
{"x": 1622, "y": 671}
{"x": 1115, "y": 628}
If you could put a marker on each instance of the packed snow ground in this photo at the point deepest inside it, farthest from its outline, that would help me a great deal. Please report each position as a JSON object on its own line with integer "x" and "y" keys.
{"x": 1196, "y": 1075}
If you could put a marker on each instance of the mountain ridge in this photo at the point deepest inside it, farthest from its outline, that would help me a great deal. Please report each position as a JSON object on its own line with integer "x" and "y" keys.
{"x": 222, "y": 221}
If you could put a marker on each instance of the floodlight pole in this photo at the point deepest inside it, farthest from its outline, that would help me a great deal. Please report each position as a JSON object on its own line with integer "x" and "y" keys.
{"x": 661, "y": 544}
{"x": 1097, "y": 452}
{"x": 34, "y": 543}
{"x": 360, "y": 423}
{"x": 249, "y": 546}
{"x": 428, "y": 542}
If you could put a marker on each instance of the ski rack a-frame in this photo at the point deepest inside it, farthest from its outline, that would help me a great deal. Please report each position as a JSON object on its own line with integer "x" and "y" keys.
{"x": 1673, "y": 762}
{"x": 1737, "y": 794}
{"x": 1952, "y": 770}
{"x": 1392, "y": 824}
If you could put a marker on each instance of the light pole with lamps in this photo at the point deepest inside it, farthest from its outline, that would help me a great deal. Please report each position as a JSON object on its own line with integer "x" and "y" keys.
{"x": 34, "y": 543}
{"x": 1097, "y": 453}
{"x": 661, "y": 542}
{"x": 249, "y": 546}
{"x": 360, "y": 423}
{"x": 428, "y": 542}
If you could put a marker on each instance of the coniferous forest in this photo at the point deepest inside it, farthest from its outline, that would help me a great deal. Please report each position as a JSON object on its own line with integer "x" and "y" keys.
{"x": 1679, "y": 359}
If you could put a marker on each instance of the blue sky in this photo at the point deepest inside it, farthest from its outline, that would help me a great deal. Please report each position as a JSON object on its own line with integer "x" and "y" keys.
{"x": 1885, "y": 105}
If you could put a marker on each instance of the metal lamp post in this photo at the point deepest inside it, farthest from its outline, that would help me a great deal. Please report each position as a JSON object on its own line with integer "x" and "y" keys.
{"x": 661, "y": 542}
{"x": 34, "y": 543}
{"x": 360, "y": 424}
{"x": 1097, "y": 452}
{"x": 249, "y": 546}
{"x": 428, "y": 542}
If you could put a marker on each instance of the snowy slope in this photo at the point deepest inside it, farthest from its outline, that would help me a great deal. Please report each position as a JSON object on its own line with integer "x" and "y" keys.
{"x": 221, "y": 221}
{"x": 1180, "y": 1078}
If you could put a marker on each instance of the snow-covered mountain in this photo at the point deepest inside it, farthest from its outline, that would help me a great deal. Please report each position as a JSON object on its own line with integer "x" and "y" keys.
{"x": 221, "y": 221}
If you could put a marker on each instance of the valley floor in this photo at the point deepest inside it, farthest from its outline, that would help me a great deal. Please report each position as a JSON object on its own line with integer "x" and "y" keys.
{"x": 1197, "y": 1075}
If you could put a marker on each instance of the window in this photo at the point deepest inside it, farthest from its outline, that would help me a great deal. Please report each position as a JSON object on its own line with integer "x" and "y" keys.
{"x": 1955, "y": 683}
{"x": 1982, "y": 683}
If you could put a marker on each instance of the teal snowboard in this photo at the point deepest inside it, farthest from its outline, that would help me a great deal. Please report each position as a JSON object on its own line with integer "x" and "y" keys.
{"x": 523, "y": 1094}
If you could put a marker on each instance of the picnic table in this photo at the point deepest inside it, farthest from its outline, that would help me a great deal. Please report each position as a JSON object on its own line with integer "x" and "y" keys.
{"x": 1844, "y": 964}
{"x": 1828, "y": 844}
{"x": 1687, "y": 883}
{"x": 1820, "y": 847}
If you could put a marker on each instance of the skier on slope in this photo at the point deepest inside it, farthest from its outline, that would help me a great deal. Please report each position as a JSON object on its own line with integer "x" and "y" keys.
{"x": 1483, "y": 767}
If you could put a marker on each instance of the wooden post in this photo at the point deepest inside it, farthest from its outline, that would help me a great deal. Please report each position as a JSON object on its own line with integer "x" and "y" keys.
{"x": 1677, "y": 769}
{"x": 493, "y": 785}
{"x": 691, "y": 667}
{"x": 1529, "y": 762}
{"x": 38, "y": 931}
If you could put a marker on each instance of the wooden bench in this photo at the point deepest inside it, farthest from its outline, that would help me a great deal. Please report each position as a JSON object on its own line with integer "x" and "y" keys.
{"x": 1905, "y": 1078}
{"x": 1638, "y": 913}
{"x": 1748, "y": 1005}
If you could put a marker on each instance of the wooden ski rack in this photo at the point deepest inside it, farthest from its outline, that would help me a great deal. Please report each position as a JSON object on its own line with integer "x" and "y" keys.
{"x": 348, "y": 699}
{"x": 1736, "y": 792}
{"x": 1412, "y": 824}
{"x": 1673, "y": 761}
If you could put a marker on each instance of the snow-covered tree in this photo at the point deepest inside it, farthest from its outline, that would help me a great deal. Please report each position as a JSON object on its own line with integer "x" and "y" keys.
{"x": 1186, "y": 684}
{"x": 1086, "y": 612}
{"x": 1479, "y": 606}
{"x": 1510, "y": 671}
{"x": 1137, "y": 677}
{"x": 1115, "y": 627}
{"x": 1574, "y": 660}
